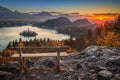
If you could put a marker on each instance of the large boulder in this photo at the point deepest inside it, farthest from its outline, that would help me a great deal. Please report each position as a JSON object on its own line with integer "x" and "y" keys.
{"x": 95, "y": 62}
{"x": 30, "y": 63}
{"x": 105, "y": 74}
{"x": 10, "y": 67}
{"x": 113, "y": 64}
{"x": 5, "y": 75}
{"x": 47, "y": 62}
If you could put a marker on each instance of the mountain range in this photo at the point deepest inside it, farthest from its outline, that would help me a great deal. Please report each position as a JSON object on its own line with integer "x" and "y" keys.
{"x": 64, "y": 22}
{"x": 49, "y": 20}
{"x": 6, "y": 14}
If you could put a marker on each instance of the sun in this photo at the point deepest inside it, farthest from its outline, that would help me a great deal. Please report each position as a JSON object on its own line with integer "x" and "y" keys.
{"x": 101, "y": 18}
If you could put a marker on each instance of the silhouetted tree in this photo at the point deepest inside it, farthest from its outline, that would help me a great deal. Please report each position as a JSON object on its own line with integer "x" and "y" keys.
{"x": 13, "y": 43}
{"x": 48, "y": 39}
{"x": 9, "y": 45}
{"x": 20, "y": 39}
{"x": 117, "y": 25}
{"x": 44, "y": 40}
{"x": 16, "y": 42}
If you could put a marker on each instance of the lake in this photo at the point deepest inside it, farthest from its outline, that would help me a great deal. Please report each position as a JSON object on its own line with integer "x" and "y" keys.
{"x": 8, "y": 34}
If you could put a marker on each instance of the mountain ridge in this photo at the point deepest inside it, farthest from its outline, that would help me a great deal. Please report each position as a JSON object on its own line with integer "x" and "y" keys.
{"x": 6, "y": 13}
{"x": 64, "y": 22}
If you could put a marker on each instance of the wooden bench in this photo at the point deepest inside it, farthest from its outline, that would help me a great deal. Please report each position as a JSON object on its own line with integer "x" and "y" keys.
{"x": 57, "y": 54}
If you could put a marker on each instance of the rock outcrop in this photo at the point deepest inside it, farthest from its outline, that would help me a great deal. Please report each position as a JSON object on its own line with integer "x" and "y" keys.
{"x": 94, "y": 63}
{"x": 9, "y": 67}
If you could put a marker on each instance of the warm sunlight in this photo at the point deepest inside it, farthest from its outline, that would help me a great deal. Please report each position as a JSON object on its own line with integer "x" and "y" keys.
{"x": 101, "y": 18}
{"x": 59, "y": 39}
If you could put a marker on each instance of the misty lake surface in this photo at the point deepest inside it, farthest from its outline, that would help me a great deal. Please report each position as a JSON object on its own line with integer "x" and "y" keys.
{"x": 8, "y": 34}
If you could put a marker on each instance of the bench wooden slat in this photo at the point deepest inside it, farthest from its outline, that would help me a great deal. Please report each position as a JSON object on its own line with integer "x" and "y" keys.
{"x": 40, "y": 54}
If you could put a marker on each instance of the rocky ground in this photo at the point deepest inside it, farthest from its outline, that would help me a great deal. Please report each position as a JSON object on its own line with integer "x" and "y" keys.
{"x": 93, "y": 63}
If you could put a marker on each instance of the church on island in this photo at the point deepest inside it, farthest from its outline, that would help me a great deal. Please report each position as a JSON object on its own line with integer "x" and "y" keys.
{"x": 28, "y": 33}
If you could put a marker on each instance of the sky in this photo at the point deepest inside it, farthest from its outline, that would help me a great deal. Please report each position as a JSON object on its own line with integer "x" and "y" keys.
{"x": 94, "y": 7}
{"x": 66, "y": 6}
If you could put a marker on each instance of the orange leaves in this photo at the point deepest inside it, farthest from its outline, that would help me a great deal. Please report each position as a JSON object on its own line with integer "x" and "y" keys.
{"x": 20, "y": 44}
{"x": 109, "y": 39}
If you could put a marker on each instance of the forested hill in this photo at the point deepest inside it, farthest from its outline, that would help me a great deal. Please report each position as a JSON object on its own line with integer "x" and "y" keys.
{"x": 63, "y": 22}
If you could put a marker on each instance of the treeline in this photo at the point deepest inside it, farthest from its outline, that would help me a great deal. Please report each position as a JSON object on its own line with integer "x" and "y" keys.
{"x": 73, "y": 31}
{"x": 13, "y": 23}
{"x": 5, "y": 55}
{"x": 31, "y": 42}
{"x": 104, "y": 35}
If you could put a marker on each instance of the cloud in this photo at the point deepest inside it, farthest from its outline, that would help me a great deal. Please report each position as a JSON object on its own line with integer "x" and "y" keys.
{"x": 91, "y": 16}
{"x": 106, "y": 14}
{"x": 102, "y": 14}
{"x": 72, "y": 16}
{"x": 56, "y": 13}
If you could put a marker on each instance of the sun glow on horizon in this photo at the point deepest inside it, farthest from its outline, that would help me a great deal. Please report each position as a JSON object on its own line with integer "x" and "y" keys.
{"x": 101, "y": 18}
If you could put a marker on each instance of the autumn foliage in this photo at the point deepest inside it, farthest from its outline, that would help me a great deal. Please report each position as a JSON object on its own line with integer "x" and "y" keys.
{"x": 5, "y": 56}
{"x": 109, "y": 34}
{"x": 108, "y": 39}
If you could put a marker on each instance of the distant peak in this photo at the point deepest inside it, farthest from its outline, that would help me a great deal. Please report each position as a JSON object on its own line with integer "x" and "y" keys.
{"x": 82, "y": 20}
{"x": 43, "y": 13}
{"x": 1, "y": 8}
{"x": 4, "y": 9}
{"x": 63, "y": 18}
